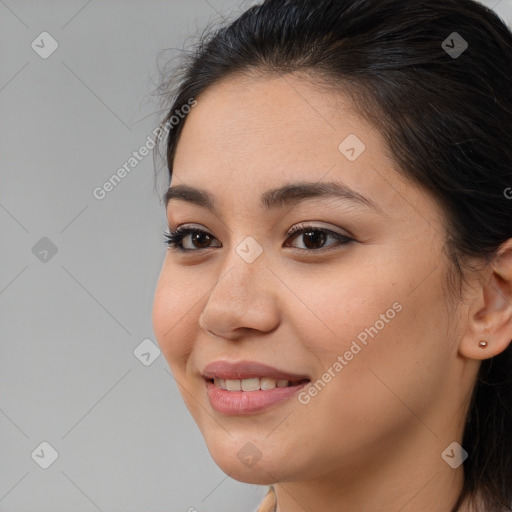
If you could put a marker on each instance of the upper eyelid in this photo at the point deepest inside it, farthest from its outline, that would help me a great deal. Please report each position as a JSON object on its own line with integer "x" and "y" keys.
{"x": 294, "y": 228}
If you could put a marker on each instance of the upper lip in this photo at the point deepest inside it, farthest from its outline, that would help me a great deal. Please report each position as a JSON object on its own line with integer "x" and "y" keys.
{"x": 223, "y": 369}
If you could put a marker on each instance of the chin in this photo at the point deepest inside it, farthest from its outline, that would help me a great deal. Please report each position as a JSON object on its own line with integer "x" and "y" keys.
{"x": 257, "y": 475}
{"x": 245, "y": 464}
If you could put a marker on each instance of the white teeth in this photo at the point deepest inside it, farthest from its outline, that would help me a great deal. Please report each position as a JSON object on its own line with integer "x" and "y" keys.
{"x": 267, "y": 383}
{"x": 233, "y": 385}
{"x": 251, "y": 384}
{"x": 254, "y": 384}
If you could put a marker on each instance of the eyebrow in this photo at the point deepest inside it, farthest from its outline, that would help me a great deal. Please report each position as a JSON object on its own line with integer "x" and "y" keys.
{"x": 288, "y": 195}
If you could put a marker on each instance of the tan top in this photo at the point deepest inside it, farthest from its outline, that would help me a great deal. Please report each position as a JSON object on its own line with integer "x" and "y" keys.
{"x": 269, "y": 503}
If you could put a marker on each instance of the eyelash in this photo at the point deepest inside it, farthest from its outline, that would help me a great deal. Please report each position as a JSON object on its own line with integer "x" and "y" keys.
{"x": 174, "y": 238}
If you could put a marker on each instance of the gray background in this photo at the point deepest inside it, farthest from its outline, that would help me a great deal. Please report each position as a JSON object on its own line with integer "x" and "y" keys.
{"x": 70, "y": 322}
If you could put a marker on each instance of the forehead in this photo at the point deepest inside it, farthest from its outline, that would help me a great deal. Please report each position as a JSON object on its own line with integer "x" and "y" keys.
{"x": 249, "y": 134}
{"x": 286, "y": 115}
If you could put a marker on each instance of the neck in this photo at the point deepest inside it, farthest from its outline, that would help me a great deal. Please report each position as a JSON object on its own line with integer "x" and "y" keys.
{"x": 438, "y": 493}
{"x": 399, "y": 477}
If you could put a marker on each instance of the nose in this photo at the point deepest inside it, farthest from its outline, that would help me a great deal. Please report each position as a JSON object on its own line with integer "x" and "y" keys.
{"x": 243, "y": 299}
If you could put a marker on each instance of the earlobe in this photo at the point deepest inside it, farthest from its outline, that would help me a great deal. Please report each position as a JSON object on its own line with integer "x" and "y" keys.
{"x": 490, "y": 320}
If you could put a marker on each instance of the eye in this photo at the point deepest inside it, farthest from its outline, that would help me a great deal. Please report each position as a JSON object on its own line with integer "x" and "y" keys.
{"x": 178, "y": 239}
{"x": 315, "y": 237}
{"x": 189, "y": 239}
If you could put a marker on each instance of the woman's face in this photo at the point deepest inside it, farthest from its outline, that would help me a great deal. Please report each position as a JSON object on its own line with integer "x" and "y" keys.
{"x": 365, "y": 320}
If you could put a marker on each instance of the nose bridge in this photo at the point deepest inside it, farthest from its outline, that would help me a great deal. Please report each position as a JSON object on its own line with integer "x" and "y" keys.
{"x": 243, "y": 272}
{"x": 241, "y": 297}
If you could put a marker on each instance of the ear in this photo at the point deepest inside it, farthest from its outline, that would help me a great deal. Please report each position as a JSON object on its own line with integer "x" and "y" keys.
{"x": 490, "y": 313}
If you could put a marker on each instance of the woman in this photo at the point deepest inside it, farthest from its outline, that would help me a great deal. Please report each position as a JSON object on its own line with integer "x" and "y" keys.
{"x": 336, "y": 301}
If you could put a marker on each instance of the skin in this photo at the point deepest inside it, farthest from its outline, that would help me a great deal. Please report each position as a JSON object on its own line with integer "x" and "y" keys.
{"x": 372, "y": 438}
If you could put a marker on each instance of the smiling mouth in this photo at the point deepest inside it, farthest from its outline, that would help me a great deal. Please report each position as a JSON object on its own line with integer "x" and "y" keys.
{"x": 254, "y": 384}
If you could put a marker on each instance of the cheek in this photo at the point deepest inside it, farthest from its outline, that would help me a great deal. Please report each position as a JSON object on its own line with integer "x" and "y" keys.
{"x": 329, "y": 313}
{"x": 391, "y": 335}
{"x": 175, "y": 313}
{"x": 384, "y": 297}
{"x": 379, "y": 319}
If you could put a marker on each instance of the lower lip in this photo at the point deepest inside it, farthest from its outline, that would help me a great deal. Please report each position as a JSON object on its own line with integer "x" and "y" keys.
{"x": 247, "y": 402}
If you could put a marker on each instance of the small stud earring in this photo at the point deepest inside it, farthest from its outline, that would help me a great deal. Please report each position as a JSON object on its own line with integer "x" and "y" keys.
{"x": 483, "y": 343}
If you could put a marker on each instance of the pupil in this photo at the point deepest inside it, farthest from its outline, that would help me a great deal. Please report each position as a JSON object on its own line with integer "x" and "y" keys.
{"x": 316, "y": 236}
